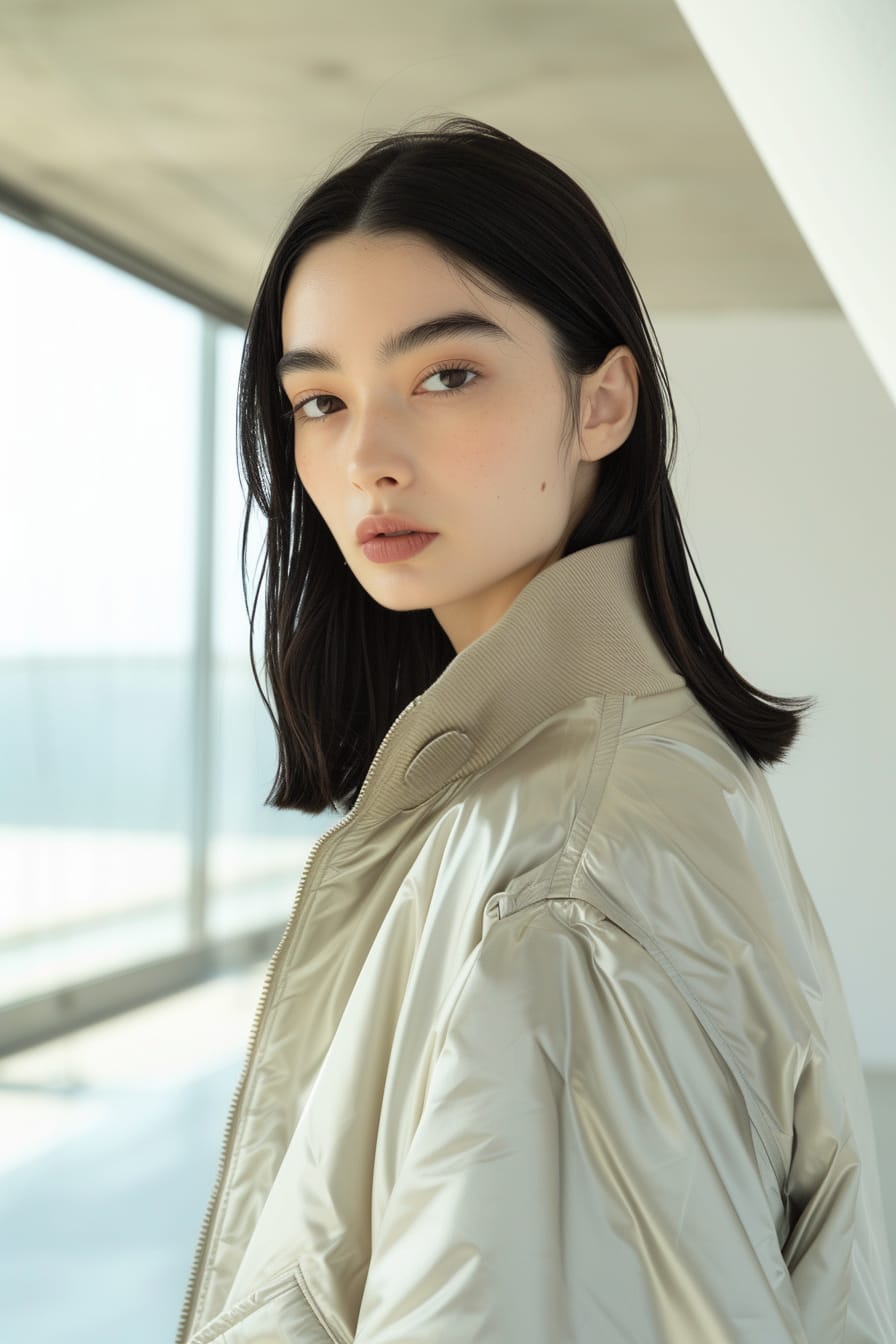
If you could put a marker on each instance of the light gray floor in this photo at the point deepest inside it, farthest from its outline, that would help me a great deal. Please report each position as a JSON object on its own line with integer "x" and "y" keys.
{"x": 97, "y": 1235}
{"x": 97, "y": 1231}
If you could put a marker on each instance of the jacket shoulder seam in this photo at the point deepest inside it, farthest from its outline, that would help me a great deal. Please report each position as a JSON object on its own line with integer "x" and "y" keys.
{"x": 530, "y": 897}
{"x": 612, "y": 911}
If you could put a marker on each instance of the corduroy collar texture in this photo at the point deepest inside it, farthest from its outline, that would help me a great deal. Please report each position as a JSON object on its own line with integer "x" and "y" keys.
{"x": 576, "y": 630}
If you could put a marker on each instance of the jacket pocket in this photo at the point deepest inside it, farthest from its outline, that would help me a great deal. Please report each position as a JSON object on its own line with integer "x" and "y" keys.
{"x": 278, "y": 1312}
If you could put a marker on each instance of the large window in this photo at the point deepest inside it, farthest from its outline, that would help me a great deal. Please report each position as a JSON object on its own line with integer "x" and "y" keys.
{"x": 136, "y": 752}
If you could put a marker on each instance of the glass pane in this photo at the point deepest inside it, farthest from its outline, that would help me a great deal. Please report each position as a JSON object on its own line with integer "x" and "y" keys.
{"x": 97, "y": 539}
{"x": 256, "y": 853}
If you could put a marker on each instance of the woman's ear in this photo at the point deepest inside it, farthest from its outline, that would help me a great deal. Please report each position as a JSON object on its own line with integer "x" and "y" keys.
{"x": 610, "y": 403}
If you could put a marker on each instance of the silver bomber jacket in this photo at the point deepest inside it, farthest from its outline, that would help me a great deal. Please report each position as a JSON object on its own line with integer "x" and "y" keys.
{"x": 553, "y": 1048}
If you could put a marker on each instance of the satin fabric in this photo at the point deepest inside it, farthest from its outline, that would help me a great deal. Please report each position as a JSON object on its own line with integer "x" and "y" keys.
{"x": 554, "y": 1047}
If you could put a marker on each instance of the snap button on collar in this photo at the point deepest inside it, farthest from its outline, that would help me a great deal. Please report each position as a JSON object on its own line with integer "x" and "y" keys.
{"x": 439, "y": 759}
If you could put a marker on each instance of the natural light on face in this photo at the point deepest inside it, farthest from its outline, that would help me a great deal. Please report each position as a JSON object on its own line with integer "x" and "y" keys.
{"x": 480, "y": 465}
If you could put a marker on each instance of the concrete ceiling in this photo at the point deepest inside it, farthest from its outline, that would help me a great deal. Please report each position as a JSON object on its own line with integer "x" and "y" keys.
{"x": 176, "y": 136}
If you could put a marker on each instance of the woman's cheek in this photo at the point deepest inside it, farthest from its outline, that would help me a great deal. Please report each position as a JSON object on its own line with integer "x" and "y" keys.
{"x": 305, "y": 472}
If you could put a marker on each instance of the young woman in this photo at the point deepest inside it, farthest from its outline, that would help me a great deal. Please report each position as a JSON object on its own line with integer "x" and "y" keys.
{"x": 553, "y": 1047}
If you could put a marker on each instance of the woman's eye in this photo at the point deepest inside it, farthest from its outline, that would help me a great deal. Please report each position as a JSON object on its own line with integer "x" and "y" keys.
{"x": 300, "y": 407}
{"x": 298, "y": 412}
{"x": 451, "y": 368}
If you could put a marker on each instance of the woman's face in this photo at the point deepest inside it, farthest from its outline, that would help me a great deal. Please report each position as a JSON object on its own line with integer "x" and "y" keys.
{"x": 481, "y": 466}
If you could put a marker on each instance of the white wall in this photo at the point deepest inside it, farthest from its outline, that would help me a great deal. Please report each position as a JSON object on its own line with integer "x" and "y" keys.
{"x": 812, "y": 85}
{"x": 786, "y": 482}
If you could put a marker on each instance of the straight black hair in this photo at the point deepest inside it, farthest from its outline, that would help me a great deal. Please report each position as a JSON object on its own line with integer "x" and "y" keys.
{"x": 341, "y": 667}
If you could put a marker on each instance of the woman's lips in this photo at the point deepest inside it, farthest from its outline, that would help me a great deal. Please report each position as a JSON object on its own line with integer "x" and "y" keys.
{"x": 383, "y": 549}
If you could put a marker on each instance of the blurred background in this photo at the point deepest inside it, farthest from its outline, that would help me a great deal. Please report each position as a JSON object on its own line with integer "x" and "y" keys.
{"x": 149, "y": 158}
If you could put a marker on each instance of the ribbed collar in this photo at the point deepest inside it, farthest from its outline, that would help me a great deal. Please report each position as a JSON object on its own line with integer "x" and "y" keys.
{"x": 577, "y": 629}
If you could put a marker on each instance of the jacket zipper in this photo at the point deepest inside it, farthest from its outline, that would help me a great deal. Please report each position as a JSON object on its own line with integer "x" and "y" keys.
{"x": 199, "y": 1253}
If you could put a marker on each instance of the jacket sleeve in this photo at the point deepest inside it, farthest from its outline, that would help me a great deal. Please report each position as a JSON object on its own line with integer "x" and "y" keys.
{"x": 583, "y": 1166}
{"x": 837, "y": 1252}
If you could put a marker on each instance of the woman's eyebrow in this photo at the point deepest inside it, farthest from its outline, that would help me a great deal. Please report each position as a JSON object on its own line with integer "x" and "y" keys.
{"x": 400, "y": 343}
